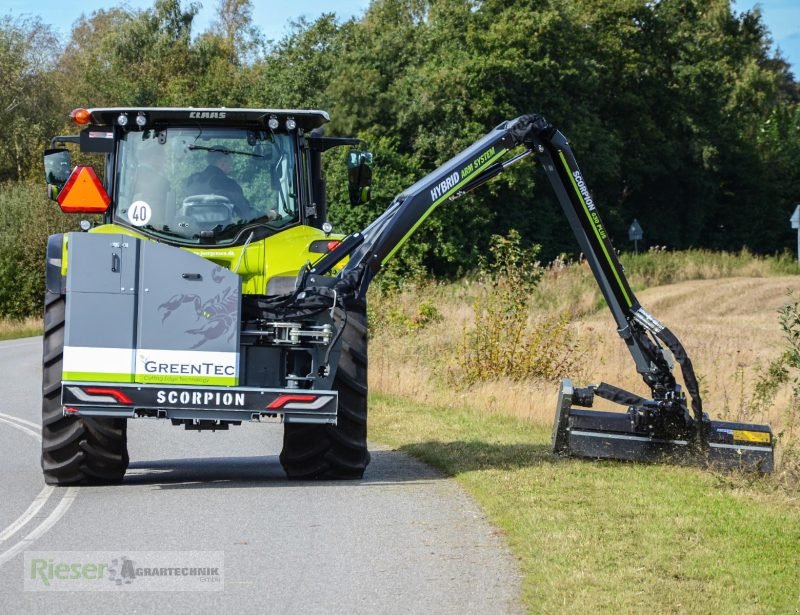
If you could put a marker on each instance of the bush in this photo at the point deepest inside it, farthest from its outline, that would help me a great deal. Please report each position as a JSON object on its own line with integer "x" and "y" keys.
{"x": 503, "y": 343}
{"x": 27, "y": 218}
{"x": 784, "y": 372}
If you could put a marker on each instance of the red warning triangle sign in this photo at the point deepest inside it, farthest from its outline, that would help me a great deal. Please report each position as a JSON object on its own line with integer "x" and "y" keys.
{"x": 83, "y": 193}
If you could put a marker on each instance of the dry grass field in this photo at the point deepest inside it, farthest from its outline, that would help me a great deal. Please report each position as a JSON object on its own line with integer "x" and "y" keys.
{"x": 11, "y": 329}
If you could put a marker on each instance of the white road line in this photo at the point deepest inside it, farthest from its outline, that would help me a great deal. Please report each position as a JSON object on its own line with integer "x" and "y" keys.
{"x": 11, "y": 417}
{"x": 22, "y": 428}
{"x": 37, "y": 504}
{"x": 49, "y": 521}
{"x": 23, "y": 519}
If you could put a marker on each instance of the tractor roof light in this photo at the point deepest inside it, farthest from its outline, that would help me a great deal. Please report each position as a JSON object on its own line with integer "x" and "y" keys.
{"x": 81, "y": 117}
{"x": 122, "y": 120}
{"x": 291, "y": 124}
{"x": 273, "y": 123}
{"x": 141, "y": 120}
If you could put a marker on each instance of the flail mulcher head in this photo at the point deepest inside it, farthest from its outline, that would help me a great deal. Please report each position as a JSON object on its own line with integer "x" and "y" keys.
{"x": 654, "y": 431}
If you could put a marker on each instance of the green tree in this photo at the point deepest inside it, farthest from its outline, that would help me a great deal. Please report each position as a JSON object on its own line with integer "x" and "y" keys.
{"x": 28, "y": 100}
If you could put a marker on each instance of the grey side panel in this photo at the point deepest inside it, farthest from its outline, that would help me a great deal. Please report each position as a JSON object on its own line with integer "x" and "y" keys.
{"x": 149, "y": 312}
{"x": 100, "y": 320}
{"x": 187, "y": 302}
{"x": 101, "y": 307}
{"x": 95, "y": 263}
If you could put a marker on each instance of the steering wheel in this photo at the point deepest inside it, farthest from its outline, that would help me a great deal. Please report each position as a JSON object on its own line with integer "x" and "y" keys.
{"x": 204, "y": 212}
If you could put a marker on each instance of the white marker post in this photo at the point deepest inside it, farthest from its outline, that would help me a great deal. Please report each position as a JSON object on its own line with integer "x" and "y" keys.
{"x": 795, "y": 220}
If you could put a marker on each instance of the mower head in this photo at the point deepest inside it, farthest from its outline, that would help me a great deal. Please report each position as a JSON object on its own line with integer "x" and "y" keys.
{"x": 654, "y": 431}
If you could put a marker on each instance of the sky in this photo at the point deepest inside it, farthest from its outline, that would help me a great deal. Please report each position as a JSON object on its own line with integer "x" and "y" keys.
{"x": 274, "y": 17}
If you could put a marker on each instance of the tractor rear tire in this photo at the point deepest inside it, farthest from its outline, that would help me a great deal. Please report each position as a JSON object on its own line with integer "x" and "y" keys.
{"x": 336, "y": 452}
{"x": 75, "y": 450}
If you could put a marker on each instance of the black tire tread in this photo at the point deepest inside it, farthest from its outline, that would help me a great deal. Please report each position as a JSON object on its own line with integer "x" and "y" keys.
{"x": 336, "y": 452}
{"x": 75, "y": 450}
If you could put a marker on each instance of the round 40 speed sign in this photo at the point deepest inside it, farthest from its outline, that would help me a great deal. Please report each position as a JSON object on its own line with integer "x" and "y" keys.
{"x": 139, "y": 213}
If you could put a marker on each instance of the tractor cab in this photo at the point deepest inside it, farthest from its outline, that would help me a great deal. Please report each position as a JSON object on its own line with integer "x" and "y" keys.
{"x": 201, "y": 177}
{"x": 206, "y": 185}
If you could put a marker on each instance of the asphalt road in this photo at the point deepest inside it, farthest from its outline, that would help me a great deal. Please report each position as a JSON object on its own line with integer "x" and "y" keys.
{"x": 403, "y": 540}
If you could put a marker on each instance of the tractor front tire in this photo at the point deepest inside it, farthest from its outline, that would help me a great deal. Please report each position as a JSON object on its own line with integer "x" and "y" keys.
{"x": 336, "y": 452}
{"x": 75, "y": 450}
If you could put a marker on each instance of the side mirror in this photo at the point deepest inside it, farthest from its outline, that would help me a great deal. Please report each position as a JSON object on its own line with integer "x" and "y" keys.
{"x": 57, "y": 169}
{"x": 359, "y": 176}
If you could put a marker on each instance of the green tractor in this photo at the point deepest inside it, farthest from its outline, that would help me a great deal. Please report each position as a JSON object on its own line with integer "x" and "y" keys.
{"x": 178, "y": 333}
{"x": 214, "y": 293}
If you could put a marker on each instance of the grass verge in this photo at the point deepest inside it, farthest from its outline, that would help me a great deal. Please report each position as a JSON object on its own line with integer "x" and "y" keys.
{"x": 605, "y": 536}
{"x": 13, "y": 329}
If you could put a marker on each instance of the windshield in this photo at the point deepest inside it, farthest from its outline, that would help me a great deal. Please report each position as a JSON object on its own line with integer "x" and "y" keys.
{"x": 205, "y": 184}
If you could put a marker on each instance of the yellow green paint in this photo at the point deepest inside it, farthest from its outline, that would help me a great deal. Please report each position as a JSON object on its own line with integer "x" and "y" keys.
{"x": 282, "y": 254}
{"x": 96, "y": 377}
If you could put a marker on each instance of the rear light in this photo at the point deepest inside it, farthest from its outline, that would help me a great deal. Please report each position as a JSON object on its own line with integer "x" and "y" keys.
{"x": 118, "y": 395}
{"x": 81, "y": 117}
{"x": 332, "y": 245}
{"x": 283, "y": 400}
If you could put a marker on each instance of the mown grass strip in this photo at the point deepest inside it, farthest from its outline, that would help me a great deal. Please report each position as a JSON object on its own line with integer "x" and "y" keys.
{"x": 604, "y": 536}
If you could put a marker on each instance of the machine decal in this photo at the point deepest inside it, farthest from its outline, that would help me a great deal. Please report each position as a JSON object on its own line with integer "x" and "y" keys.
{"x": 445, "y": 193}
{"x": 218, "y": 314}
{"x": 201, "y": 398}
{"x": 208, "y": 115}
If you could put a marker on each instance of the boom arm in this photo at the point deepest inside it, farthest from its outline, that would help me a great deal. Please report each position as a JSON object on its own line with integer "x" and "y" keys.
{"x": 375, "y": 245}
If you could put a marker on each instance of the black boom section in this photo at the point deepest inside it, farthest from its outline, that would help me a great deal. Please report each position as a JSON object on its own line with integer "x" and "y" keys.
{"x": 473, "y": 167}
{"x": 582, "y": 213}
{"x": 387, "y": 233}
